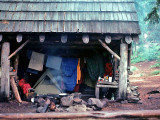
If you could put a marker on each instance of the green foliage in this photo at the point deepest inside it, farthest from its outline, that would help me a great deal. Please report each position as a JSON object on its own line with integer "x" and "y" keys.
{"x": 157, "y": 65}
{"x": 153, "y": 16}
{"x": 146, "y": 53}
{"x": 155, "y": 72}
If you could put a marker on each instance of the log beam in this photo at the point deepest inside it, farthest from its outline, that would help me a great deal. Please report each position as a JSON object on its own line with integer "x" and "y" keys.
{"x": 18, "y": 49}
{"x": 109, "y": 50}
{"x": 96, "y": 114}
{"x": 129, "y": 56}
{"x": 15, "y": 89}
{"x": 5, "y": 66}
{"x": 123, "y": 71}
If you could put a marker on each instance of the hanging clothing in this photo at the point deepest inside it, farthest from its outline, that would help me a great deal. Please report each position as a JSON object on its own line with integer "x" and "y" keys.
{"x": 95, "y": 66}
{"x": 79, "y": 75}
{"x": 24, "y": 86}
{"x": 108, "y": 69}
{"x": 69, "y": 72}
{"x": 78, "y": 71}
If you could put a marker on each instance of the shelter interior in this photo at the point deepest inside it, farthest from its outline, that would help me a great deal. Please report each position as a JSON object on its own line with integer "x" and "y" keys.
{"x": 74, "y": 48}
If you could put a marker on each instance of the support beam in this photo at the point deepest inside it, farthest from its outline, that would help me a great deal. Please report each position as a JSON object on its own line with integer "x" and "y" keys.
{"x": 109, "y": 50}
{"x": 1, "y": 37}
{"x": 129, "y": 56}
{"x": 5, "y": 66}
{"x": 123, "y": 71}
{"x": 16, "y": 51}
{"x": 15, "y": 89}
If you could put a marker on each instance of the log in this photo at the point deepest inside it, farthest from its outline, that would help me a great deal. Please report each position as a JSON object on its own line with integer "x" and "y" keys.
{"x": 96, "y": 114}
{"x": 109, "y": 50}
{"x": 16, "y": 51}
{"x": 64, "y": 38}
{"x": 129, "y": 56}
{"x": 128, "y": 39}
{"x": 15, "y": 90}
{"x": 123, "y": 71}
{"x": 1, "y": 37}
{"x": 85, "y": 39}
{"x": 108, "y": 39}
{"x": 5, "y": 66}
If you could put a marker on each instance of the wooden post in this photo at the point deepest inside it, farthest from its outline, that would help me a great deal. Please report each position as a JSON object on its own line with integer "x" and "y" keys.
{"x": 123, "y": 71}
{"x": 5, "y": 66}
{"x": 15, "y": 89}
{"x": 129, "y": 56}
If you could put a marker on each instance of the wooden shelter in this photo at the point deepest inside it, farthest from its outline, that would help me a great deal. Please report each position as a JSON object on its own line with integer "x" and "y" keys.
{"x": 68, "y": 26}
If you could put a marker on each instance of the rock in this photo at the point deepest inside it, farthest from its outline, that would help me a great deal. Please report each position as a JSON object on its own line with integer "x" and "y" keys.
{"x": 59, "y": 109}
{"x": 95, "y": 102}
{"x": 52, "y": 106}
{"x": 124, "y": 102}
{"x": 77, "y": 108}
{"x": 39, "y": 109}
{"x": 84, "y": 102}
{"x": 129, "y": 90}
{"x": 67, "y": 101}
{"x": 77, "y": 101}
{"x": 41, "y": 102}
{"x": 133, "y": 100}
{"x": 76, "y": 95}
{"x": 104, "y": 102}
{"x": 134, "y": 88}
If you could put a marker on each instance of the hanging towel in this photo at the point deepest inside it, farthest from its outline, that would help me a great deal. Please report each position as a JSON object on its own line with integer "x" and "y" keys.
{"x": 54, "y": 62}
{"x": 69, "y": 70}
{"x": 36, "y": 61}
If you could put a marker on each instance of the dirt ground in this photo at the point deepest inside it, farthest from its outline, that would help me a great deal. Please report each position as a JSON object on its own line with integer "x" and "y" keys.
{"x": 146, "y": 83}
{"x": 141, "y": 78}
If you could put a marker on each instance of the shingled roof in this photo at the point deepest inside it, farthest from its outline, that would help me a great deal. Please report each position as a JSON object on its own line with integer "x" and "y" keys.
{"x": 84, "y": 16}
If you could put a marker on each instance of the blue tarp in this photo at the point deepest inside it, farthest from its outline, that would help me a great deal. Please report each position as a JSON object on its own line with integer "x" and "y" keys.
{"x": 69, "y": 70}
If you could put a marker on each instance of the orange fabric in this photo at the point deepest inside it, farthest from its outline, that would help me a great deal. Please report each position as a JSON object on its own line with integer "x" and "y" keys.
{"x": 78, "y": 72}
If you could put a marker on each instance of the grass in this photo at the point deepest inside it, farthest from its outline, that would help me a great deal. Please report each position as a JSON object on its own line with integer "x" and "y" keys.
{"x": 157, "y": 65}
{"x": 156, "y": 72}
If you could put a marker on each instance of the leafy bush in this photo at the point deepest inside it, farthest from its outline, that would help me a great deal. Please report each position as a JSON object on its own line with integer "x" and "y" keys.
{"x": 157, "y": 65}
{"x": 155, "y": 72}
